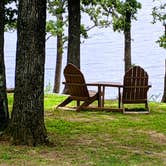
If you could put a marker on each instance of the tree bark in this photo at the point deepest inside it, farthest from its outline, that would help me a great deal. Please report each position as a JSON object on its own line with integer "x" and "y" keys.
{"x": 58, "y": 69}
{"x": 27, "y": 119}
{"x": 164, "y": 93}
{"x": 4, "y": 115}
{"x": 73, "y": 52}
{"x": 127, "y": 38}
{"x": 74, "y": 32}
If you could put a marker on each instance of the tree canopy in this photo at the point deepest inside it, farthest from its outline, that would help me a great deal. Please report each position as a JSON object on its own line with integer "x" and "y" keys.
{"x": 159, "y": 14}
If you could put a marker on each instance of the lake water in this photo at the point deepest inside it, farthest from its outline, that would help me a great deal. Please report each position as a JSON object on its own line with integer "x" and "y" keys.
{"x": 102, "y": 55}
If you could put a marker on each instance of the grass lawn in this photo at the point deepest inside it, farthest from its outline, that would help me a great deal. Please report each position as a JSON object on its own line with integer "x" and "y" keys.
{"x": 94, "y": 138}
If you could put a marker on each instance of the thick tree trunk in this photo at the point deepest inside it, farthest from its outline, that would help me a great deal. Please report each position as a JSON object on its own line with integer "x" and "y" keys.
{"x": 74, "y": 32}
{"x": 127, "y": 54}
{"x": 164, "y": 93}
{"x": 4, "y": 115}
{"x": 58, "y": 69}
{"x": 127, "y": 38}
{"x": 27, "y": 121}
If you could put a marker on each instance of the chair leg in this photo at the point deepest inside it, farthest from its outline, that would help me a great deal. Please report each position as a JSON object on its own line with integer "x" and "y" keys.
{"x": 65, "y": 102}
{"x": 78, "y": 103}
{"x": 147, "y": 107}
{"x": 123, "y": 108}
{"x": 87, "y": 102}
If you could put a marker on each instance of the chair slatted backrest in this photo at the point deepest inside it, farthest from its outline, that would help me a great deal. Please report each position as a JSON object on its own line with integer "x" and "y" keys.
{"x": 75, "y": 81}
{"x": 135, "y": 85}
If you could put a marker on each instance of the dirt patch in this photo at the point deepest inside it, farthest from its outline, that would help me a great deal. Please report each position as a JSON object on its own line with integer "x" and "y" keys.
{"x": 155, "y": 136}
{"x": 89, "y": 119}
{"x": 158, "y": 137}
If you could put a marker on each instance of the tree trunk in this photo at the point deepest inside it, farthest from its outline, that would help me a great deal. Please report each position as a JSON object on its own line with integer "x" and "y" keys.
{"x": 57, "y": 79}
{"x": 27, "y": 119}
{"x": 4, "y": 115}
{"x": 127, "y": 38}
{"x": 127, "y": 55}
{"x": 164, "y": 93}
{"x": 73, "y": 52}
{"x": 74, "y": 32}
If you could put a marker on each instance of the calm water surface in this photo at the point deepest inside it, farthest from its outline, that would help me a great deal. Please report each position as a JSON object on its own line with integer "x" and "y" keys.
{"x": 102, "y": 54}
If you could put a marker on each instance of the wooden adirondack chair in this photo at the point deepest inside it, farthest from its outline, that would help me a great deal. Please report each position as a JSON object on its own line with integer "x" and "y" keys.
{"x": 135, "y": 89}
{"x": 77, "y": 88}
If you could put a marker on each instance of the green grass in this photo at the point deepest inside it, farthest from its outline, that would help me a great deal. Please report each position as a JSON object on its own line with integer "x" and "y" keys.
{"x": 94, "y": 138}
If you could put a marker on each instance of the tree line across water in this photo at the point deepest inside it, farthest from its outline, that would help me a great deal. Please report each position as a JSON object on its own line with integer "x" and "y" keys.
{"x": 26, "y": 125}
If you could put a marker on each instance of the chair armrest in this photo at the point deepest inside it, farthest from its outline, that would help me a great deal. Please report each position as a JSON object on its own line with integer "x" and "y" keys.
{"x": 150, "y": 85}
{"x": 78, "y": 84}
{"x": 74, "y": 84}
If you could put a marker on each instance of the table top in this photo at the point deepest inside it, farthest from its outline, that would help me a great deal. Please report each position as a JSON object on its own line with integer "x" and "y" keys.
{"x": 106, "y": 83}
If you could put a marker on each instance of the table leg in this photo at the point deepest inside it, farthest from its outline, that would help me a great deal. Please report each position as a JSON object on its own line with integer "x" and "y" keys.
{"x": 103, "y": 96}
{"x": 119, "y": 99}
{"x": 100, "y": 96}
